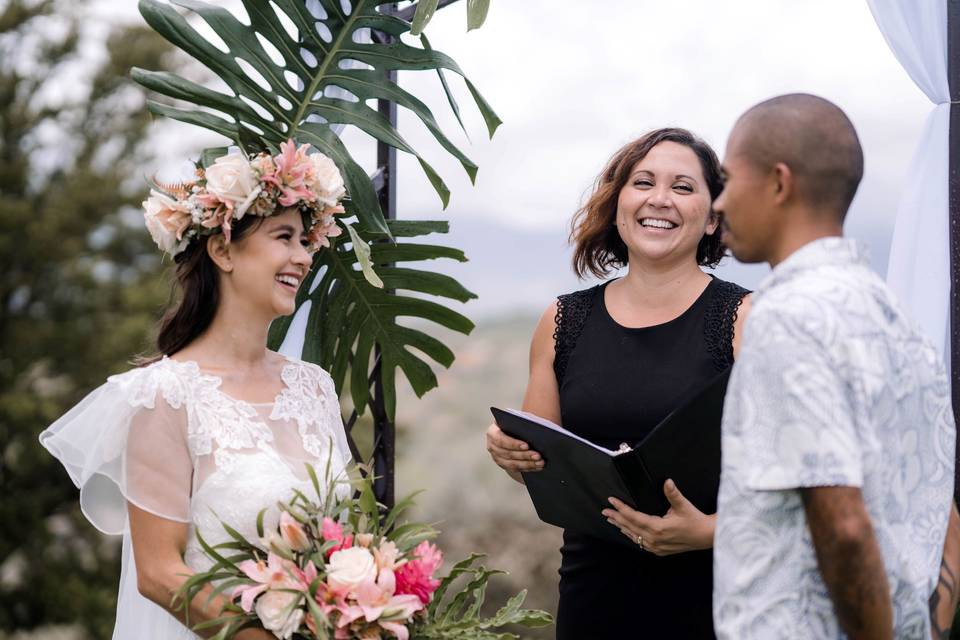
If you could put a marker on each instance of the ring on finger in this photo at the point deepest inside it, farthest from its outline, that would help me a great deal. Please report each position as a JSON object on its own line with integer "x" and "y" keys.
{"x": 640, "y": 542}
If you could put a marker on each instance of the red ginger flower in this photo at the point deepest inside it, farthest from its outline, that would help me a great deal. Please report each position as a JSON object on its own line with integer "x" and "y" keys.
{"x": 416, "y": 576}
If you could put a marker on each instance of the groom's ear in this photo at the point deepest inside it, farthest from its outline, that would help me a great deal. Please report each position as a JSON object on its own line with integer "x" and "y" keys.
{"x": 783, "y": 183}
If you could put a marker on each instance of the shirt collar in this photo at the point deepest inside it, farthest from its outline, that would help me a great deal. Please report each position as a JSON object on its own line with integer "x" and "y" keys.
{"x": 833, "y": 250}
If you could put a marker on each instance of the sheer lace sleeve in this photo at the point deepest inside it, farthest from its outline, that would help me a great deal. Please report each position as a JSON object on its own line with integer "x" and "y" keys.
{"x": 158, "y": 465}
{"x": 126, "y": 440}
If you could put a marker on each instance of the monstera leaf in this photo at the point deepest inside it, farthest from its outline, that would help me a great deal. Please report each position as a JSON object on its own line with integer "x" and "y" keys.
{"x": 348, "y": 315}
{"x": 298, "y": 69}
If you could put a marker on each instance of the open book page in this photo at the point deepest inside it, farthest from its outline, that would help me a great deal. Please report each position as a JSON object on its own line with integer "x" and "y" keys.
{"x": 555, "y": 427}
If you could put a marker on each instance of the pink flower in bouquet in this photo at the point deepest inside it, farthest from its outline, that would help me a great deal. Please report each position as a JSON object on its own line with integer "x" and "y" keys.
{"x": 332, "y": 530}
{"x": 416, "y": 576}
{"x": 293, "y": 168}
{"x": 275, "y": 573}
{"x": 293, "y": 533}
{"x": 387, "y": 556}
{"x": 379, "y": 599}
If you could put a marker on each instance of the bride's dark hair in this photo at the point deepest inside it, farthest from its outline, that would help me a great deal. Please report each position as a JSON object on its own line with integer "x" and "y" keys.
{"x": 195, "y": 294}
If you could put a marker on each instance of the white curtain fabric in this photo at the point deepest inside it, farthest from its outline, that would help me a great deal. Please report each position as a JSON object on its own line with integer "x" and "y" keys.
{"x": 919, "y": 268}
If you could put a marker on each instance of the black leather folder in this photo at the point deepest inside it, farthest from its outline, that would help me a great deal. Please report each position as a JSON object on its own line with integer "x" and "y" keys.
{"x": 579, "y": 476}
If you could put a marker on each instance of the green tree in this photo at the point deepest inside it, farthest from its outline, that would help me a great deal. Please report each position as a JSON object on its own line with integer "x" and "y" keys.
{"x": 79, "y": 290}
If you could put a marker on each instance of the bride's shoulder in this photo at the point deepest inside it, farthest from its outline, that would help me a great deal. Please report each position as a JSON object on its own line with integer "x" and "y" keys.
{"x": 309, "y": 372}
{"x": 170, "y": 379}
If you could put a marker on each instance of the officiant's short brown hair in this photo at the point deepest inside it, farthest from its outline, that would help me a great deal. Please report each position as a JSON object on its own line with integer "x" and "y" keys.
{"x": 598, "y": 248}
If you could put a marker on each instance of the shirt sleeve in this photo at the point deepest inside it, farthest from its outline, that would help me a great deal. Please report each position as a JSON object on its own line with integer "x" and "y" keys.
{"x": 158, "y": 465}
{"x": 796, "y": 413}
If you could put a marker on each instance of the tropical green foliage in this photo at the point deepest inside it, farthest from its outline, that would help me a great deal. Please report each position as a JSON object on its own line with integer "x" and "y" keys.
{"x": 79, "y": 291}
{"x": 298, "y": 74}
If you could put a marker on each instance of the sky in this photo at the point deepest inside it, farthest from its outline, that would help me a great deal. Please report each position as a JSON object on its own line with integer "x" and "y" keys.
{"x": 573, "y": 81}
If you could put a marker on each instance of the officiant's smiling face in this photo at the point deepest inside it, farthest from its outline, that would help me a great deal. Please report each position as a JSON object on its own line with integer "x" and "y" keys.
{"x": 663, "y": 210}
{"x": 265, "y": 267}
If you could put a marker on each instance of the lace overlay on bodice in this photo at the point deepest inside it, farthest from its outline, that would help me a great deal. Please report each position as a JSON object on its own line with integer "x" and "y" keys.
{"x": 243, "y": 457}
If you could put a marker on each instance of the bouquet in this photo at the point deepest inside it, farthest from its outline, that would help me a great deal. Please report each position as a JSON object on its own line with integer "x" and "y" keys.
{"x": 345, "y": 568}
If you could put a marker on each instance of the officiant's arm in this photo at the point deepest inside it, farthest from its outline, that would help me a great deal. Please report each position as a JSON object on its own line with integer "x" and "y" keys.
{"x": 158, "y": 547}
{"x": 943, "y": 602}
{"x": 849, "y": 559}
{"x": 541, "y": 399}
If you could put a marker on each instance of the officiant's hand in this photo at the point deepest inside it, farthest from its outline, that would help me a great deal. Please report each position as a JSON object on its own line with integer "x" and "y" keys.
{"x": 510, "y": 454}
{"x": 683, "y": 528}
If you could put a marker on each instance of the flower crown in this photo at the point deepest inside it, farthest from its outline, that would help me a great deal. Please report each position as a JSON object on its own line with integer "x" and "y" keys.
{"x": 234, "y": 186}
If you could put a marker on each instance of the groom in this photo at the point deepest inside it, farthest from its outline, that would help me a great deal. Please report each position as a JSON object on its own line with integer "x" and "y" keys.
{"x": 838, "y": 435}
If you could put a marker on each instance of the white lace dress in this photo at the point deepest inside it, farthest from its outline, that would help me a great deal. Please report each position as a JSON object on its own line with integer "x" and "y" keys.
{"x": 166, "y": 438}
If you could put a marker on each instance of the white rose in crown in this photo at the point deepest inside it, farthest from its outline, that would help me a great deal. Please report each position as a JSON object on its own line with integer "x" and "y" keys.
{"x": 165, "y": 218}
{"x": 327, "y": 182}
{"x": 234, "y": 182}
{"x": 351, "y": 567}
{"x": 278, "y": 612}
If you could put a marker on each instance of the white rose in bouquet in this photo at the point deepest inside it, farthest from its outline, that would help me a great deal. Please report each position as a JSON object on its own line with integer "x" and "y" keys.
{"x": 351, "y": 567}
{"x": 278, "y": 611}
{"x": 327, "y": 182}
{"x": 231, "y": 179}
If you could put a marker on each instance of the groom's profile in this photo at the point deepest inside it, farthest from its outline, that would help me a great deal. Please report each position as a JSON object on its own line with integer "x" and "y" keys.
{"x": 838, "y": 433}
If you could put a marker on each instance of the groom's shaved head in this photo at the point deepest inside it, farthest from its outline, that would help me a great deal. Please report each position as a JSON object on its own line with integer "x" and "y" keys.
{"x": 814, "y": 138}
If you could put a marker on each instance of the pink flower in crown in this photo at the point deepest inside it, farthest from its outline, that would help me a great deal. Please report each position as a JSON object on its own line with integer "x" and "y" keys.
{"x": 325, "y": 227}
{"x": 416, "y": 576}
{"x": 293, "y": 170}
{"x": 167, "y": 220}
{"x": 275, "y": 573}
{"x": 331, "y": 530}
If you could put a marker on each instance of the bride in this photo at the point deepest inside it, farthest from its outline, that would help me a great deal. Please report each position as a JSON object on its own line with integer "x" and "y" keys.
{"x": 216, "y": 427}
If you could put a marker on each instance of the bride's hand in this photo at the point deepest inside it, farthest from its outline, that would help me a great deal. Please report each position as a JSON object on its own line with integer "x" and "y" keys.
{"x": 683, "y": 528}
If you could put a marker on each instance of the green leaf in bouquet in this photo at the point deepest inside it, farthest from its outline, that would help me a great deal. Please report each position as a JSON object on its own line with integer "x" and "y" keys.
{"x": 478, "y": 585}
{"x": 260, "y": 522}
{"x": 464, "y": 566}
{"x": 399, "y": 508}
{"x": 211, "y": 552}
{"x": 478, "y": 590}
{"x": 408, "y": 536}
{"x": 224, "y": 586}
{"x": 368, "y": 504}
{"x": 319, "y": 616}
{"x": 314, "y": 480}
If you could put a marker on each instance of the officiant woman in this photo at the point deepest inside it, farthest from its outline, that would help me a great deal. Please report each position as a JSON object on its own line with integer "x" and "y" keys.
{"x": 610, "y": 362}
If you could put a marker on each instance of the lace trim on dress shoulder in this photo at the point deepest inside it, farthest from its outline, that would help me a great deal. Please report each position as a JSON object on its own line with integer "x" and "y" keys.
{"x": 721, "y": 316}
{"x": 216, "y": 423}
{"x": 572, "y": 311}
{"x": 310, "y": 400}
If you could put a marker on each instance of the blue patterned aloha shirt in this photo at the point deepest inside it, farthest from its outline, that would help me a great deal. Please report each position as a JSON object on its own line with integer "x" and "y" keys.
{"x": 833, "y": 387}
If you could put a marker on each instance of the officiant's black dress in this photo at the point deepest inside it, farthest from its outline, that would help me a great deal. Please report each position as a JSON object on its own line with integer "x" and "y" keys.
{"x": 616, "y": 383}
